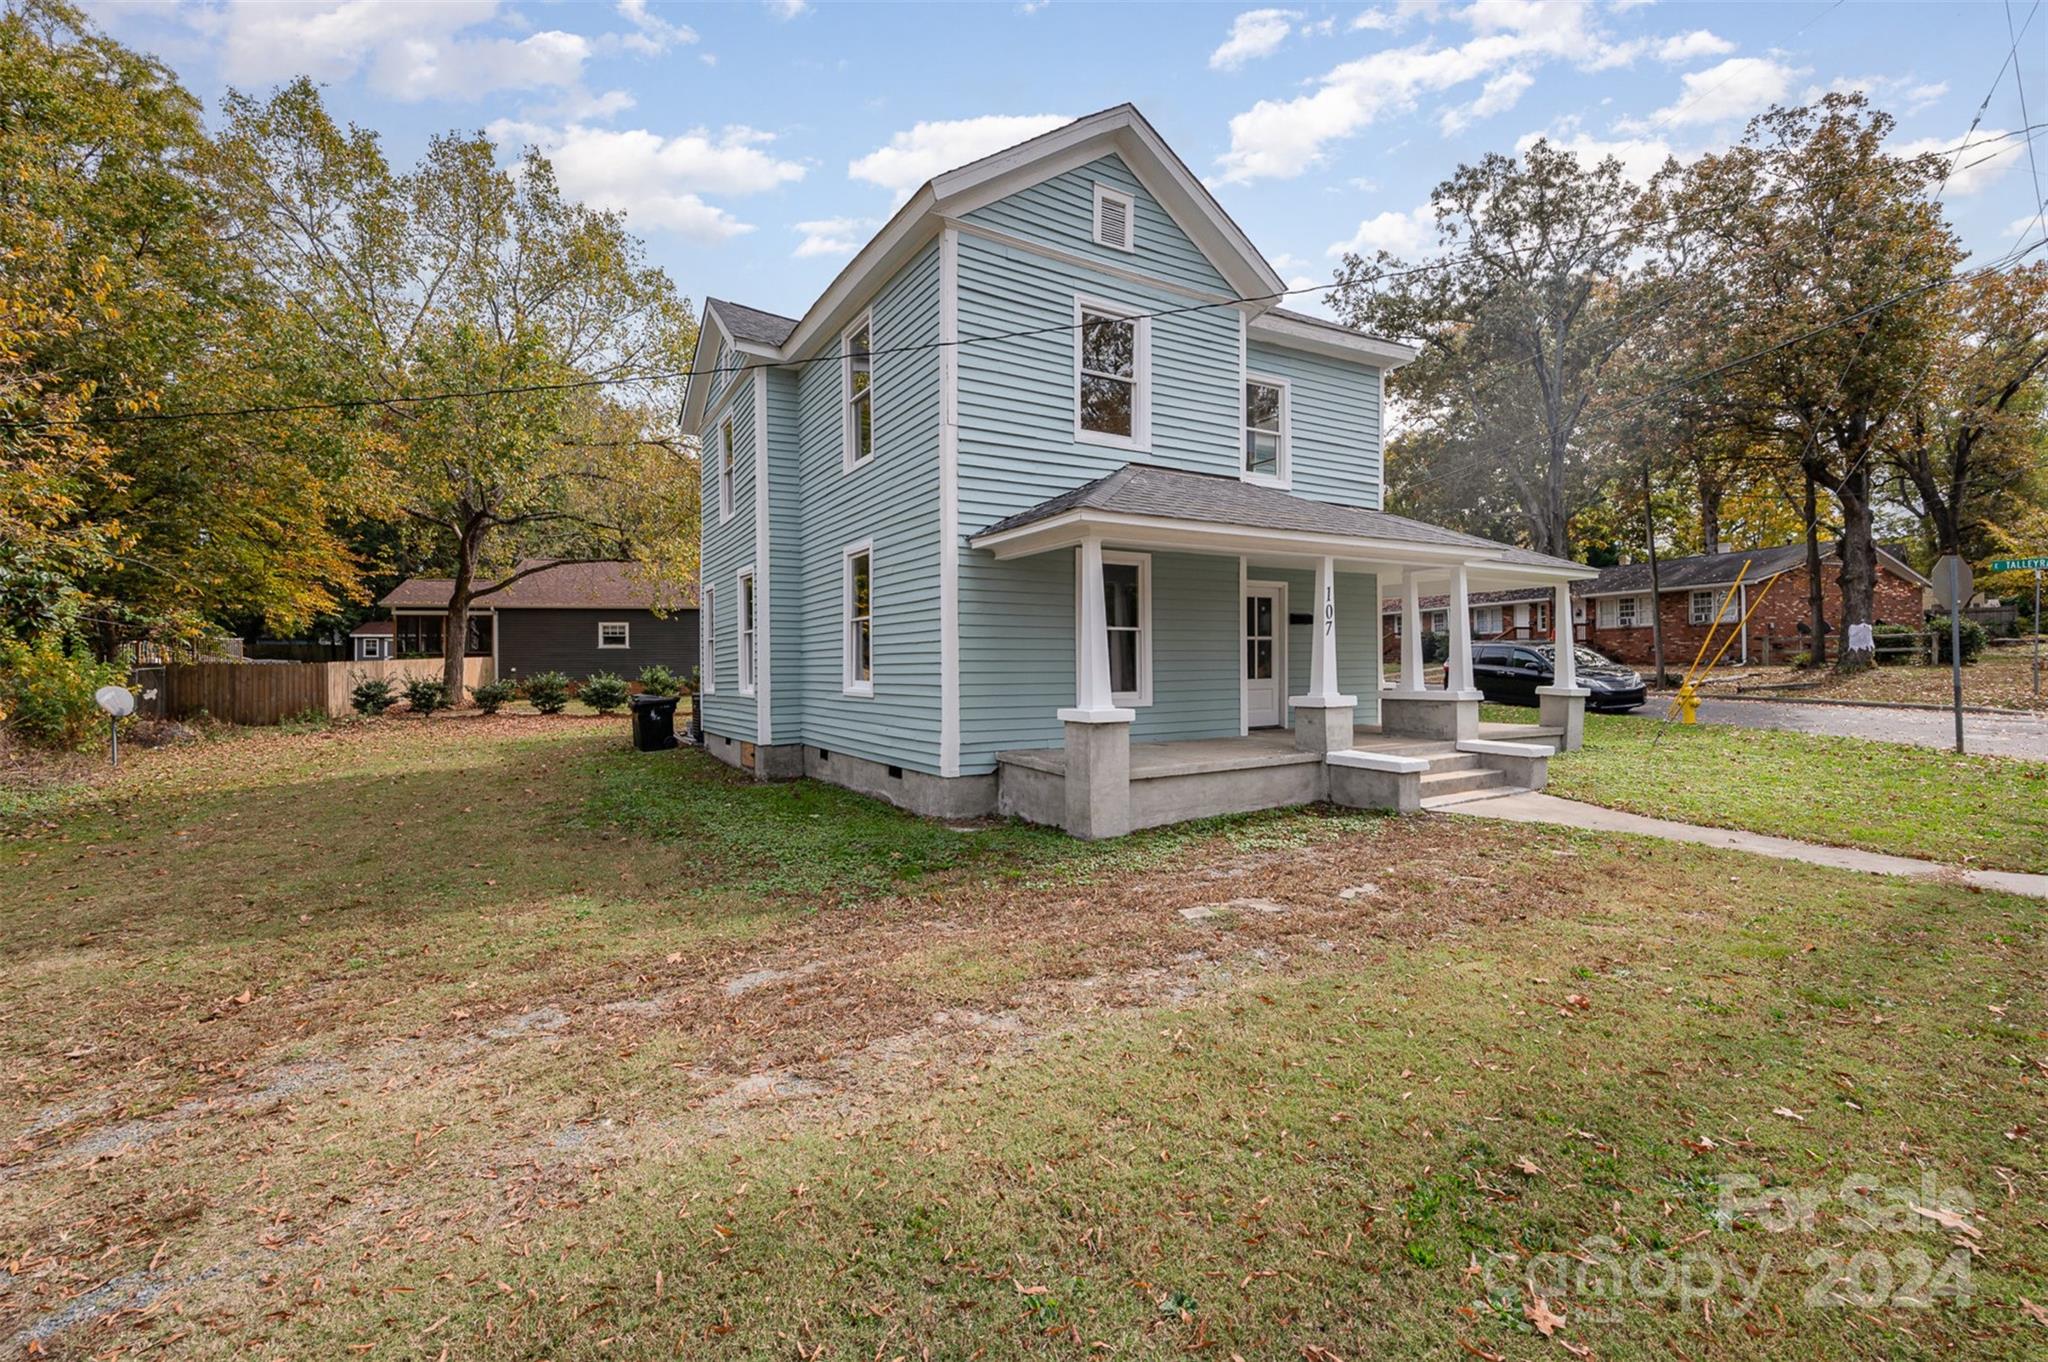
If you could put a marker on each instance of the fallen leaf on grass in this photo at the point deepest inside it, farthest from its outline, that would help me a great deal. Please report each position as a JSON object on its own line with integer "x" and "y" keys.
{"x": 1539, "y": 1314}
{"x": 1788, "y": 1114}
{"x": 2037, "y": 1313}
{"x": 1528, "y": 1166}
{"x": 1479, "y": 1352}
{"x": 1948, "y": 1220}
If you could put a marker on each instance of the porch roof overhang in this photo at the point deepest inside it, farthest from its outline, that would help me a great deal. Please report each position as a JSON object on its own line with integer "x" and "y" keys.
{"x": 1143, "y": 506}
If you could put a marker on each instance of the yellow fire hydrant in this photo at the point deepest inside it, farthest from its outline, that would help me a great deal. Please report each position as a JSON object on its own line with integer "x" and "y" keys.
{"x": 1688, "y": 704}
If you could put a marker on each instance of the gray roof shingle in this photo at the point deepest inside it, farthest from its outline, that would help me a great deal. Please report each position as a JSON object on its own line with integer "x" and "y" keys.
{"x": 751, "y": 324}
{"x": 591, "y": 586}
{"x": 1168, "y": 493}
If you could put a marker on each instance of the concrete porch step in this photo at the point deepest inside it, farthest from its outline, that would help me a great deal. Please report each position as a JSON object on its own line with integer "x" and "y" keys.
{"x": 1436, "y": 782}
{"x": 1452, "y": 801}
{"x": 1451, "y": 761}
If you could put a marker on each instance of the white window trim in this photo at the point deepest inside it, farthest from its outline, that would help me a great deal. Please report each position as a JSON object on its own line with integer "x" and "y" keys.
{"x": 1486, "y": 619}
{"x": 849, "y": 684}
{"x": 707, "y": 644}
{"x": 1140, "y": 438}
{"x": 728, "y": 468}
{"x": 1718, "y": 609}
{"x": 1285, "y": 462}
{"x": 743, "y": 585}
{"x": 603, "y": 625}
{"x": 848, "y": 460}
{"x": 1130, "y": 203}
{"x": 1141, "y": 698}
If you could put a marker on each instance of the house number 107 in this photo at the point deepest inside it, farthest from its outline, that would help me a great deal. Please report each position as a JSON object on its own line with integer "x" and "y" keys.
{"x": 1330, "y": 609}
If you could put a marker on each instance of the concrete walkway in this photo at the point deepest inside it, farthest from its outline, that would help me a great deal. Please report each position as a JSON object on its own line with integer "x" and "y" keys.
{"x": 1529, "y": 807}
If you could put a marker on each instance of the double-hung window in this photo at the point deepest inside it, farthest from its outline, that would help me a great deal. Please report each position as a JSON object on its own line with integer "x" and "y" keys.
{"x": 725, "y": 469}
{"x": 1265, "y": 431}
{"x": 1112, "y": 376}
{"x": 748, "y": 659}
{"x": 857, "y": 570}
{"x": 614, "y": 634}
{"x": 1127, "y": 612}
{"x": 1486, "y": 619}
{"x": 1707, "y": 607}
{"x": 1627, "y": 611}
{"x": 856, "y": 383}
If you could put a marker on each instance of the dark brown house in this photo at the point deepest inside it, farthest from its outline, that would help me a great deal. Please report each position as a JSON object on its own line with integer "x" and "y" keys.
{"x": 575, "y": 618}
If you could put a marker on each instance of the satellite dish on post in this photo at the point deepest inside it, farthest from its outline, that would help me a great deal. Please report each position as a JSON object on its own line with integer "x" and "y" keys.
{"x": 118, "y": 702}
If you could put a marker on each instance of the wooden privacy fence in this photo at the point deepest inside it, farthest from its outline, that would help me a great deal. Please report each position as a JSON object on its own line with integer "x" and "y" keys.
{"x": 271, "y": 692}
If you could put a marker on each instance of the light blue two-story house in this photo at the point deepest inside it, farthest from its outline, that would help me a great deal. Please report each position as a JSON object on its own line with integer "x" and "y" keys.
{"x": 1045, "y": 508}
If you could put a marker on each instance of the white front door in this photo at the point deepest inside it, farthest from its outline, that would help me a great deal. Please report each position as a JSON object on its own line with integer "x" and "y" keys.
{"x": 1262, "y": 657}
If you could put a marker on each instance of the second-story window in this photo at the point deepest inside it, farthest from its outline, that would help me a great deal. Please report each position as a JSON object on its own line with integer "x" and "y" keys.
{"x": 1111, "y": 379}
{"x": 725, "y": 469}
{"x": 1265, "y": 430}
{"x": 857, "y": 366}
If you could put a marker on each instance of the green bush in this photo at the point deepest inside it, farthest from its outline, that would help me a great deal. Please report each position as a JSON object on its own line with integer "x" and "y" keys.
{"x": 425, "y": 696}
{"x": 493, "y": 696}
{"x": 604, "y": 692}
{"x": 1972, "y": 637}
{"x": 373, "y": 695}
{"x": 547, "y": 692}
{"x": 656, "y": 679}
{"x": 46, "y": 691}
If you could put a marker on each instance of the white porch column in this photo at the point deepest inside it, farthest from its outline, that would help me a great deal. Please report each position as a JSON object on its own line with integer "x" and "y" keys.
{"x": 1098, "y": 741}
{"x": 1562, "y": 703}
{"x": 1411, "y": 633}
{"x": 1093, "y": 702}
{"x": 1323, "y": 718}
{"x": 1566, "y": 671}
{"x": 1458, "y": 667}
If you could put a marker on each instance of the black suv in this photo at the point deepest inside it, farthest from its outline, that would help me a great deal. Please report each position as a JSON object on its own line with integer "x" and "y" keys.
{"x": 1509, "y": 673}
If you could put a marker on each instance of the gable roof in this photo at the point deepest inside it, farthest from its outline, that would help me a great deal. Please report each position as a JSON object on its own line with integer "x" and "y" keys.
{"x": 1121, "y": 130}
{"x": 1721, "y": 569}
{"x": 565, "y": 586}
{"x": 1141, "y": 489}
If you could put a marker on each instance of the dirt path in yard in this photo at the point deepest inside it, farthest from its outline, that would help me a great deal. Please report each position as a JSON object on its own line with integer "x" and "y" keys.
{"x": 315, "y": 1157}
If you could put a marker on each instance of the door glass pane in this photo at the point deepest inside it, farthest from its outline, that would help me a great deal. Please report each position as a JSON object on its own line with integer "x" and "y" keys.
{"x": 1262, "y": 659}
{"x": 1264, "y": 624}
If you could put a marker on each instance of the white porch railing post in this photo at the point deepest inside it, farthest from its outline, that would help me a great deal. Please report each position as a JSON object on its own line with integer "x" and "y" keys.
{"x": 1565, "y": 671}
{"x": 1458, "y": 671}
{"x": 1411, "y": 634}
{"x": 1323, "y": 660}
{"x": 1323, "y": 718}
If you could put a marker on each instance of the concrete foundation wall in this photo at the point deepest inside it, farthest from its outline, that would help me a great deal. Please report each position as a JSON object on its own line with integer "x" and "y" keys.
{"x": 927, "y": 795}
{"x": 1159, "y": 800}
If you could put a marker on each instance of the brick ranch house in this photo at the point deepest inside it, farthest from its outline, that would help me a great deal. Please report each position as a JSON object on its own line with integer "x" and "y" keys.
{"x": 1611, "y": 612}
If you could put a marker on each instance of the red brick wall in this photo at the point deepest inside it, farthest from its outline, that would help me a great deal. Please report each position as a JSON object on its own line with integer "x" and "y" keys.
{"x": 1773, "y": 627}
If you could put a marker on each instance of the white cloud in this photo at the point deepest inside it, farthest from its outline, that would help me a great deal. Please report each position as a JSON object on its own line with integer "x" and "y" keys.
{"x": 1735, "y": 88}
{"x": 1692, "y": 46}
{"x": 1408, "y": 235}
{"x": 930, "y": 149}
{"x": 786, "y": 10}
{"x": 1640, "y": 157}
{"x": 1282, "y": 138}
{"x": 1253, "y": 34}
{"x": 1032, "y": 6}
{"x": 1898, "y": 94}
{"x": 832, "y": 236}
{"x": 659, "y": 182}
{"x": 1976, "y": 166}
{"x": 1498, "y": 96}
{"x": 653, "y": 34}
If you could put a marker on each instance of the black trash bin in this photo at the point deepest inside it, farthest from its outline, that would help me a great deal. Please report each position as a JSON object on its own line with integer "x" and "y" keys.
{"x": 654, "y": 723}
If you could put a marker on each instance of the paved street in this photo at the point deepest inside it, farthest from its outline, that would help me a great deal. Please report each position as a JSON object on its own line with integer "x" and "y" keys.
{"x": 2003, "y": 735}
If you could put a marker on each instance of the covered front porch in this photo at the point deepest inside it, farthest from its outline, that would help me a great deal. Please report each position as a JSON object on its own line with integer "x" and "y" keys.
{"x": 1308, "y": 582}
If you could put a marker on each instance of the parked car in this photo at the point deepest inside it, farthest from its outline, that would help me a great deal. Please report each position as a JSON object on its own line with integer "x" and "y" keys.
{"x": 1509, "y": 673}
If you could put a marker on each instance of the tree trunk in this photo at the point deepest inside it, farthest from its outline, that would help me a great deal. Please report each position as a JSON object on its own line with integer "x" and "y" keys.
{"x": 1816, "y": 597}
{"x": 455, "y": 627}
{"x": 1656, "y": 586}
{"x": 1859, "y": 566}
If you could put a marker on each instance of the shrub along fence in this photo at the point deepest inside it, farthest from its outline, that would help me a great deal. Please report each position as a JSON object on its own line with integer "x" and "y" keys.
{"x": 271, "y": 692}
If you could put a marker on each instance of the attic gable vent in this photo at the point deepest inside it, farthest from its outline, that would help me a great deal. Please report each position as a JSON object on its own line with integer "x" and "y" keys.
{"x": 1112, "y": 219}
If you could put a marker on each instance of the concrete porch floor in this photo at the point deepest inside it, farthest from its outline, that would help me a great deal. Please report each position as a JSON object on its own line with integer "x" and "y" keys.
{"x": 1259, "y": 749}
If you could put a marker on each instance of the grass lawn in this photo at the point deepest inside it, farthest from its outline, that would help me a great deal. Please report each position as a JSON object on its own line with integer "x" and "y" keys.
{"x": 2003, "y": 678}
{"x": 1988, "y": 812}
{"x": 488, "y": 1039}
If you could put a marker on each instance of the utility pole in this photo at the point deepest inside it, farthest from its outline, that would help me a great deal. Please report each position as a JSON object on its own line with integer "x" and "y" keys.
{"x": 1656, "y": 596}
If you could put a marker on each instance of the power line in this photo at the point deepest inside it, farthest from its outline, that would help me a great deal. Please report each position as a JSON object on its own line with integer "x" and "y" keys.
{"x": 616, "y": 380}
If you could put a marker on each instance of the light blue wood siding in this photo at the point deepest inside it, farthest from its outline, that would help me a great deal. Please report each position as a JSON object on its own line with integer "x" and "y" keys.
{"x": 893, "y": 500}
{"x": 1334, "y": 422}
{"x": 725, "y": 548}
{"x": 1060, "y": 211}
{"x": 789, "y": 608}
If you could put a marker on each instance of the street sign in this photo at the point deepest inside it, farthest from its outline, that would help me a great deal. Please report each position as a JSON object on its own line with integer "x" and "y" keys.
{"x": 1953, "y": 582}
{"x": 2038, "y": 564}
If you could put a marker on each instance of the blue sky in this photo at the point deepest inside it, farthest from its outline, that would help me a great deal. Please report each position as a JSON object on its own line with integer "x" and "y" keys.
{"x": 755, "y": 146}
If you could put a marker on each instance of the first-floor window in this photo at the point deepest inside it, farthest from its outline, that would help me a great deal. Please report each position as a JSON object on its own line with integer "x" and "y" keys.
{"x": 707, "y": 644}
{"x": 1486, "y": 620}
{"x": 1707, "y": 607}
{"x": 1620, "y": 612}
{"x": 1127, "y": 613}
{"x": 419, "y": 635}
{"x": 748, "y": 660}
{"x": 859, "y": 573}
{"x": 614, "y": 634}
